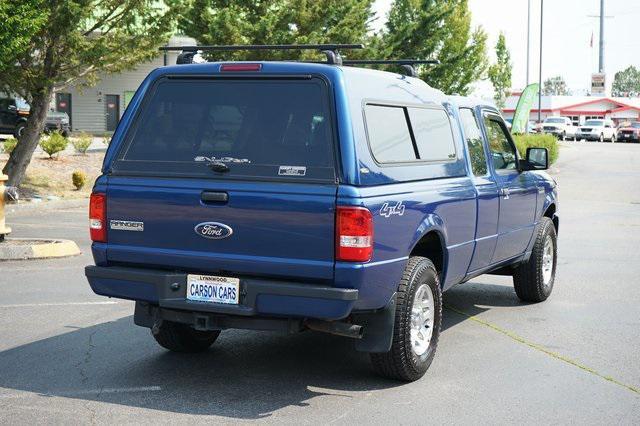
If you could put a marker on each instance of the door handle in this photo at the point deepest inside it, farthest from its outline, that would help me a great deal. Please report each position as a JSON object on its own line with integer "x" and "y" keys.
{"x": 504, "y": 192}
{"x": 214, "y": 197}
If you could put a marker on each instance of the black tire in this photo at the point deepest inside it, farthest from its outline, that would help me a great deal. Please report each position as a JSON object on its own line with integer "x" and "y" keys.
{"x": 181, "y": 338}
{"x": 528, "y": 278}
{"x": 19, "y": 130}
{"x": 563, "y": 136}
{"x": 401, "y": 362}
{"x": 601, "y": 138}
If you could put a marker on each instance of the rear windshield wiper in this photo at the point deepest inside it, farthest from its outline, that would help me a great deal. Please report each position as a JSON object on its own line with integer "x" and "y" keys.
{"x": 219, "y": 167}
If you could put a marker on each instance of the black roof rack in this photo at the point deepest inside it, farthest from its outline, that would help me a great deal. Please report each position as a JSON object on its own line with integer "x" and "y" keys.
{"x": 407, "y": 64}
{"x": 331, "y": 51}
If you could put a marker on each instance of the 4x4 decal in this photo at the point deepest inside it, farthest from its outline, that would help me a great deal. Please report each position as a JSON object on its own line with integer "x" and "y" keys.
{"x": 386, "y": 211}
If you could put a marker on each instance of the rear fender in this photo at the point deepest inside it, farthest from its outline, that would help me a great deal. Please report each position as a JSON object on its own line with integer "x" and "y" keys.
{"x": 432, "y": 223}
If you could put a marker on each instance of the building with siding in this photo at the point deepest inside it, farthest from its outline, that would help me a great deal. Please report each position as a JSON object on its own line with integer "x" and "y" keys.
{"x": 97, "y": 109}
{"x": 580, "y": 108}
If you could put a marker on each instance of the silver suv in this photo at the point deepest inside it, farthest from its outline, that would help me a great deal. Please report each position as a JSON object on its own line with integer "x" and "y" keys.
{"x": 597, "y": 130}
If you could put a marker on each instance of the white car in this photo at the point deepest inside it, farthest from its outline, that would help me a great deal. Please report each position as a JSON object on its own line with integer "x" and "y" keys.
{"x": 597, "y": 130}
{"x": 560, "y": 127}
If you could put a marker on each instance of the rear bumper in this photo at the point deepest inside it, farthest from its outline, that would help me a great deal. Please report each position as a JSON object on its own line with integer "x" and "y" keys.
{"x": 258, "y": 297}
{"x": 51, "y": 127}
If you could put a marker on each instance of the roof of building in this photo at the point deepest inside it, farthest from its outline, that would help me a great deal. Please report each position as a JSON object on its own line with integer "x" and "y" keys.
{"x": 557, "y": 103}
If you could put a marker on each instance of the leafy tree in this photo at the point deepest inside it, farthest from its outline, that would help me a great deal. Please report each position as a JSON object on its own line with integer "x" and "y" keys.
{"x": 627, "y": 82}
{"x": 73, "y": 42}
{"x": 500, "y": 72}
{"x": 437, "y": 29}
{"x": 274, "y": 22}
{"x": 555, "y": 86}
{"x": 19, "y": 21}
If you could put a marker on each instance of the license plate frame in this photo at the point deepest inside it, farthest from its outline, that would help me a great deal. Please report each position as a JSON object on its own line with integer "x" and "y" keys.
{"x": 213, "y": 289}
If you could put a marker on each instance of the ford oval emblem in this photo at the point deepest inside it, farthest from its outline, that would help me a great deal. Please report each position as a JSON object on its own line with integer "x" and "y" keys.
{"x": 213, "y": 230}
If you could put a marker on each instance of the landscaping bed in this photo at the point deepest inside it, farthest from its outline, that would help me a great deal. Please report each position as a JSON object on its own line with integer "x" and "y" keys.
{"x": 48, "y": 177}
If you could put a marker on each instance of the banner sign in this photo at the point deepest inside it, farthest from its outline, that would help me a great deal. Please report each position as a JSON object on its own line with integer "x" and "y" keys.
{"x": 521, "y": 116}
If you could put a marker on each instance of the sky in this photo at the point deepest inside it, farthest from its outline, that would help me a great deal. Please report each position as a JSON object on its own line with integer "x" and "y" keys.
{"x": 567, "y": 31}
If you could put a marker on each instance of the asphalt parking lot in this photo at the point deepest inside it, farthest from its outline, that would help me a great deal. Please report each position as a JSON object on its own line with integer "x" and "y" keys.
{"x": 68, "y": 356}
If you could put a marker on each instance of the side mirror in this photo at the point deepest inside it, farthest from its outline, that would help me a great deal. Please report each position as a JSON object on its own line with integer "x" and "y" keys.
{"x": 537, "y": 159}
{"x": 12, "y": 108}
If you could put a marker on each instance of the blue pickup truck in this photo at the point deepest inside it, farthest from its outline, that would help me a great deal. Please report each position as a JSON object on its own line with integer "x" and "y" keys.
{"x": 313, "y": 196}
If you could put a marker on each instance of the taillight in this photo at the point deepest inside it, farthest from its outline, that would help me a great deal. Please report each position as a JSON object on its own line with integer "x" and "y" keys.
{"x": 354, "y": 234}
{"x": 240, "y": 67}
{"x": 98, "y": 217}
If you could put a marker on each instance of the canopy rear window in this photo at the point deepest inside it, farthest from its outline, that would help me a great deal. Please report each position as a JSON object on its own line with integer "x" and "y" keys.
{"x": 258, "y": 128}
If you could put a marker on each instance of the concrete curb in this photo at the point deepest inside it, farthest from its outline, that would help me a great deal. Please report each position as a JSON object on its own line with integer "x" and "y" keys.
{"x": 36, "y": 248}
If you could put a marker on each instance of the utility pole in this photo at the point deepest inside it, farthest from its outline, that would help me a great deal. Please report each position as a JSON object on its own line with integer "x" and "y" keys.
{"x": 528, "y": 36}
{"x": 601, "y": 53}
{"x": 540, "y": 68}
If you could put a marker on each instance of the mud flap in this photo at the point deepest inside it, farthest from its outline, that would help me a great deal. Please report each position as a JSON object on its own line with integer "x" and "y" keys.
{"x": 143, "y": 315}
{"x": 378, "y": 328}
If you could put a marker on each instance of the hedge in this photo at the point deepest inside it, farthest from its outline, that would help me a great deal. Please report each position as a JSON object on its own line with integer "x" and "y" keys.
{"x": 537, "y": 141}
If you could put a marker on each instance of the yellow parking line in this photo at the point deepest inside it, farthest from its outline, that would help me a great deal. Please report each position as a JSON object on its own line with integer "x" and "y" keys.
{"x": 542, "y": 349}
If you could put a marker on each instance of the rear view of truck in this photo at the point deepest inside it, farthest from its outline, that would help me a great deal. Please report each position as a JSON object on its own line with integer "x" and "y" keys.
{"x": 217, "y": 206}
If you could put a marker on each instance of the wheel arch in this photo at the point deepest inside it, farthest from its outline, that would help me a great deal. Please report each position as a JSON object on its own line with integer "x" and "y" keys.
{"x": 432, "y": 244}
{"x": 550, "y": 212}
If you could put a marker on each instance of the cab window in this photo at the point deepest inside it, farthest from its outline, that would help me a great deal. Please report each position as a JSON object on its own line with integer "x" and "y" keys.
{"x": 503, "y": 154}
{"x": 473, "y": 138}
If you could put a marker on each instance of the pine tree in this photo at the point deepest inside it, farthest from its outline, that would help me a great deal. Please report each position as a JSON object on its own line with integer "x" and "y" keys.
{"x": 500, "y": 72}
{"x": 437, "y": 29}
{"x": 275, "y": 22}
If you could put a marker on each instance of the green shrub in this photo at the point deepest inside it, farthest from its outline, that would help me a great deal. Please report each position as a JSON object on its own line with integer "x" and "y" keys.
{"x": 537, "y": 141}
{"x": 54, "y": 144}
{"x": 79, "y": 178}
{"x": 10, "y": 145}
{"x": 82, "y": 142}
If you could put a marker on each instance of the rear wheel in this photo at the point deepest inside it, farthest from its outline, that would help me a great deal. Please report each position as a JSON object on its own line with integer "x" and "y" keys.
{"x": 417, "y": 324}
{"x": 181, "y": 338}
{"x": 533, "y": 281}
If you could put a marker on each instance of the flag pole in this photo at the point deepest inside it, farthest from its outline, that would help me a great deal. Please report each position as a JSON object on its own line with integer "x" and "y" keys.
{"x": 540, "y": 66}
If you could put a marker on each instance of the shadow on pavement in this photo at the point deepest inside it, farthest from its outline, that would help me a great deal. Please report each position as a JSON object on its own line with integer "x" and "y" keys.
{"x": 245, "y": 375}
{"x": 476, "y": 297}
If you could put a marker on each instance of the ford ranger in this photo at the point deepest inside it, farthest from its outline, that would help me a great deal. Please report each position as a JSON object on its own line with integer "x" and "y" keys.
{"x": 300, "y": 196}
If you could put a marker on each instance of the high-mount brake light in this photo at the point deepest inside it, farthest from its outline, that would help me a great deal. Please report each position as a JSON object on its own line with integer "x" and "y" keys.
{"x": 98, "y": 217}
{"x": 240, "y": 67}
{"x": 354, "y": 234}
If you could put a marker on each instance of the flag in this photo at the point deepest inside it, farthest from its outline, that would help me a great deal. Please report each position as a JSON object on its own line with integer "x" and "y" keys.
{"x": 521, "y": 115}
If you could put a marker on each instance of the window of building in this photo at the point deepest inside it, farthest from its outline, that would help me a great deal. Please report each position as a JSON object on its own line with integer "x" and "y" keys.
{"x": 503, "y": 154}
{"x": 473, "y": 138}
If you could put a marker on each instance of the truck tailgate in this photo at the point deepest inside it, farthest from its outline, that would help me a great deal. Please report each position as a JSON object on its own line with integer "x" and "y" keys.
{"x": 283, "y": 230}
